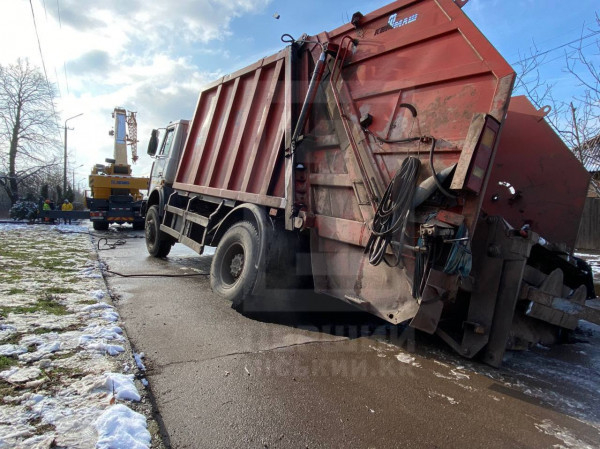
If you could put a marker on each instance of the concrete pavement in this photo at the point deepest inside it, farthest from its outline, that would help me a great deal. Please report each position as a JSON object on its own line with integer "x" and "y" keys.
{"x": 286, "y": 376}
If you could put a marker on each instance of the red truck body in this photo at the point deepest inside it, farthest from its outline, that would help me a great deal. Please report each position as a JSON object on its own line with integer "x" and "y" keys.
{"x": 316, "y": 134}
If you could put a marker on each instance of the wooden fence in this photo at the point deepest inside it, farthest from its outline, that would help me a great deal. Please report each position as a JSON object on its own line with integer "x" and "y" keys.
{"x": 589, "y": 229}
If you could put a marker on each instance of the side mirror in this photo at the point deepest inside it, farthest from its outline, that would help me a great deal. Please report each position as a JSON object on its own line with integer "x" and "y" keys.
{"x": 153, "y": 143}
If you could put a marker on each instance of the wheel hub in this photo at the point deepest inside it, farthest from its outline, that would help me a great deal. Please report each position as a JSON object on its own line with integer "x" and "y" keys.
{"x": 150, "y": 236}
{"x": 237, "y": 264}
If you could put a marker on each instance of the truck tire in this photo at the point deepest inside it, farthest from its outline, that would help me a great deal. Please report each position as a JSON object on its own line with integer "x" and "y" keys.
{"x": 233, "y": 271}
{"x": 100, "y": 225}
{"x": 157, "y": 242}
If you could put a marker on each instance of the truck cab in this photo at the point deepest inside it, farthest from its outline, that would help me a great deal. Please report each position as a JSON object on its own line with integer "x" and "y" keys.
{"x": 166, "y": 155}
{"x": 166, "y": 151}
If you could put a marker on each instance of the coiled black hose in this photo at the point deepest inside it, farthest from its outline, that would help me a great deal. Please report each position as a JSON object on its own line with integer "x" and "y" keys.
{"x": 392, "y": 211}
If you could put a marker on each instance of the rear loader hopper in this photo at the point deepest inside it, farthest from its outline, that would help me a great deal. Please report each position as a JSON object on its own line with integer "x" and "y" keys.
{"x": 371, "y": 157}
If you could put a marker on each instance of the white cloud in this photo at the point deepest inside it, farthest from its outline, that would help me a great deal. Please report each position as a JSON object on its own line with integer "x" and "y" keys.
{"x": 134, "y": 54}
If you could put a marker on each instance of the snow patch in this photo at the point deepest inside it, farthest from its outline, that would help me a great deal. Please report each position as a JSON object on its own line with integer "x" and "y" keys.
{"x": 49, "y": 347}
{"x": 121, "y": 385}
{"x": 7, "y": 331}
{"x": 408, "y": 359}
{"x": 100, "y": 305}
{"x": 121, "y": 427}
{"x": 111, "y": 316}
{"x": 9, "y": 349}
{"x": 459, "y": 375}
{"x": 138, "y": 361}
{"x": 18, "y": 375}
{"x": 98, "y": 294}
{"x": 562, "y": 434}
{"x": 90, "y": 273}
{"x": 379, "y": 351}
{"x": 432, "y": 394}
{"x": 105, "y": 348}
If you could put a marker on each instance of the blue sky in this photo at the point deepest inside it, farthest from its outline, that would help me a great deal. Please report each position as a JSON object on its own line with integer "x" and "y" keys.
{"x": 153, "y": 57}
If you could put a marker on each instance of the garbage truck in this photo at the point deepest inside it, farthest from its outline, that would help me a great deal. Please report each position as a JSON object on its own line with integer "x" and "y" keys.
{"x": 385, "y": 162}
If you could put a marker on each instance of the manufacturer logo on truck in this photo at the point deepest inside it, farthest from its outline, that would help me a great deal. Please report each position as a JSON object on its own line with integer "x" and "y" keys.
{"x": 394, "y": 22}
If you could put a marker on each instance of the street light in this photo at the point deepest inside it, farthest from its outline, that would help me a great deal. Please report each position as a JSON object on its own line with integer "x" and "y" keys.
{"x": 65, "y": 155}
{"x": 73, "y": 171}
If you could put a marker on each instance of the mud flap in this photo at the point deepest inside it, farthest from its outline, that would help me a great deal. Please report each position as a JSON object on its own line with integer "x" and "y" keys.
{"x": 428, "y": 315}
{"x": 387, "y": 289}
{"x": 436, "y": 290}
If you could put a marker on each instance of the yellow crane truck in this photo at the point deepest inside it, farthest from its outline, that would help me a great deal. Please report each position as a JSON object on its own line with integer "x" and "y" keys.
{"x": 115, "y": 193}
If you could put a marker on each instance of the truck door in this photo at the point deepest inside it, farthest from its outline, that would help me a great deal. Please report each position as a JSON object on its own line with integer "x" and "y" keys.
{"x": 161, "y": 159}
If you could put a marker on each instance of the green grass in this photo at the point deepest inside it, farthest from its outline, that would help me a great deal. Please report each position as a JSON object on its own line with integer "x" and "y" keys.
{"x": 42, "y": 330}
{"x": 47, "y": 304}
{"x": 44, "y": 428}
{"x": 54, "y": 265}
{"x": 7, "y": 362}
{"x": 16, "y": 291}
{"x": 47, "y": 330}
{"x": 11, "y": 276}
{"x": 59, "y": 290}
{"x": 5, "y": 310}
{"x": 58, "y": 371}
{"x": 17, "y": 254}
{"x": 14, "y": 339}
{"x": 6, "y": 389}
{"x": 65, "y": 355}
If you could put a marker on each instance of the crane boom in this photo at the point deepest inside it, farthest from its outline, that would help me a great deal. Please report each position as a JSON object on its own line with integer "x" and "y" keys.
{"x": 125, "y": 133}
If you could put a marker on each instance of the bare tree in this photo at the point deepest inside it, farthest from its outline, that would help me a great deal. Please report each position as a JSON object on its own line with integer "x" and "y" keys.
{"x": 29, "y": 136}
{"x": 576, "y": 119}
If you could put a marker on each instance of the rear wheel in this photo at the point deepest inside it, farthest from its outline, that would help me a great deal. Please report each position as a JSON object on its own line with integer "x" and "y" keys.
{"x": 157, "y": 242}
{"x": 100, "y": 225}
{"x": 234, "y": 271}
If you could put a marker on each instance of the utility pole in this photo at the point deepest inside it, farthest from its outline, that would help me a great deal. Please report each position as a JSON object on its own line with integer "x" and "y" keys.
{"x": 65, "y": 155}
{"x": 73, "y": 173}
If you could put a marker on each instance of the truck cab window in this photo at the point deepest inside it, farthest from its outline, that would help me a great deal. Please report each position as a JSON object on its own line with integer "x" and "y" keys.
{"x": 167, "y": 142}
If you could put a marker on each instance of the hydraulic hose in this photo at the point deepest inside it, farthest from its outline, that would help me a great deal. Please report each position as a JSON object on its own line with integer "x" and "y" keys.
{"x": 435, "y": 178}
{"x": 392, "y": 211}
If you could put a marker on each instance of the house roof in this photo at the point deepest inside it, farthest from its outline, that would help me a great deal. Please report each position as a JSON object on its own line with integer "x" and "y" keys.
{"x": 591, "y": 154}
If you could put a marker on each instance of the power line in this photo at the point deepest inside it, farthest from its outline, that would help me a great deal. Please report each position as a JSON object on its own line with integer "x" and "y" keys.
{"x": 58, "y": 9}
{"x": 555, "y": 48}
{"x": 66, "y": 78}
{"x": 57, "y": 83}
{"x": 44, "y": 66}
{"x": 565, "y": 32}
{"x": 561, "y": 56}
{"x": 64, "y": 63}
{"x": 38, "y": 41}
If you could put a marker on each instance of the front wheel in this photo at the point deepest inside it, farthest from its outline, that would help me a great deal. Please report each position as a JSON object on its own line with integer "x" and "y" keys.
{"x": 157, "y": 242}
{"x": 234, "y": 266}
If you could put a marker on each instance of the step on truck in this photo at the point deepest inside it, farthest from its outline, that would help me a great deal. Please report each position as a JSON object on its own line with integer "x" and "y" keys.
{"x": 387, "y": 161}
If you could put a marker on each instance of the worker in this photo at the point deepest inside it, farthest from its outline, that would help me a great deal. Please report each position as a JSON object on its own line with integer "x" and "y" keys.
{"x": 66, "y": 207}
{"x": 46, "y": 206}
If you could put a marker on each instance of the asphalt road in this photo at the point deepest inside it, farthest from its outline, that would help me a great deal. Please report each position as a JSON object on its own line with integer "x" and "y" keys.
{"x": 311, "y": 372}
